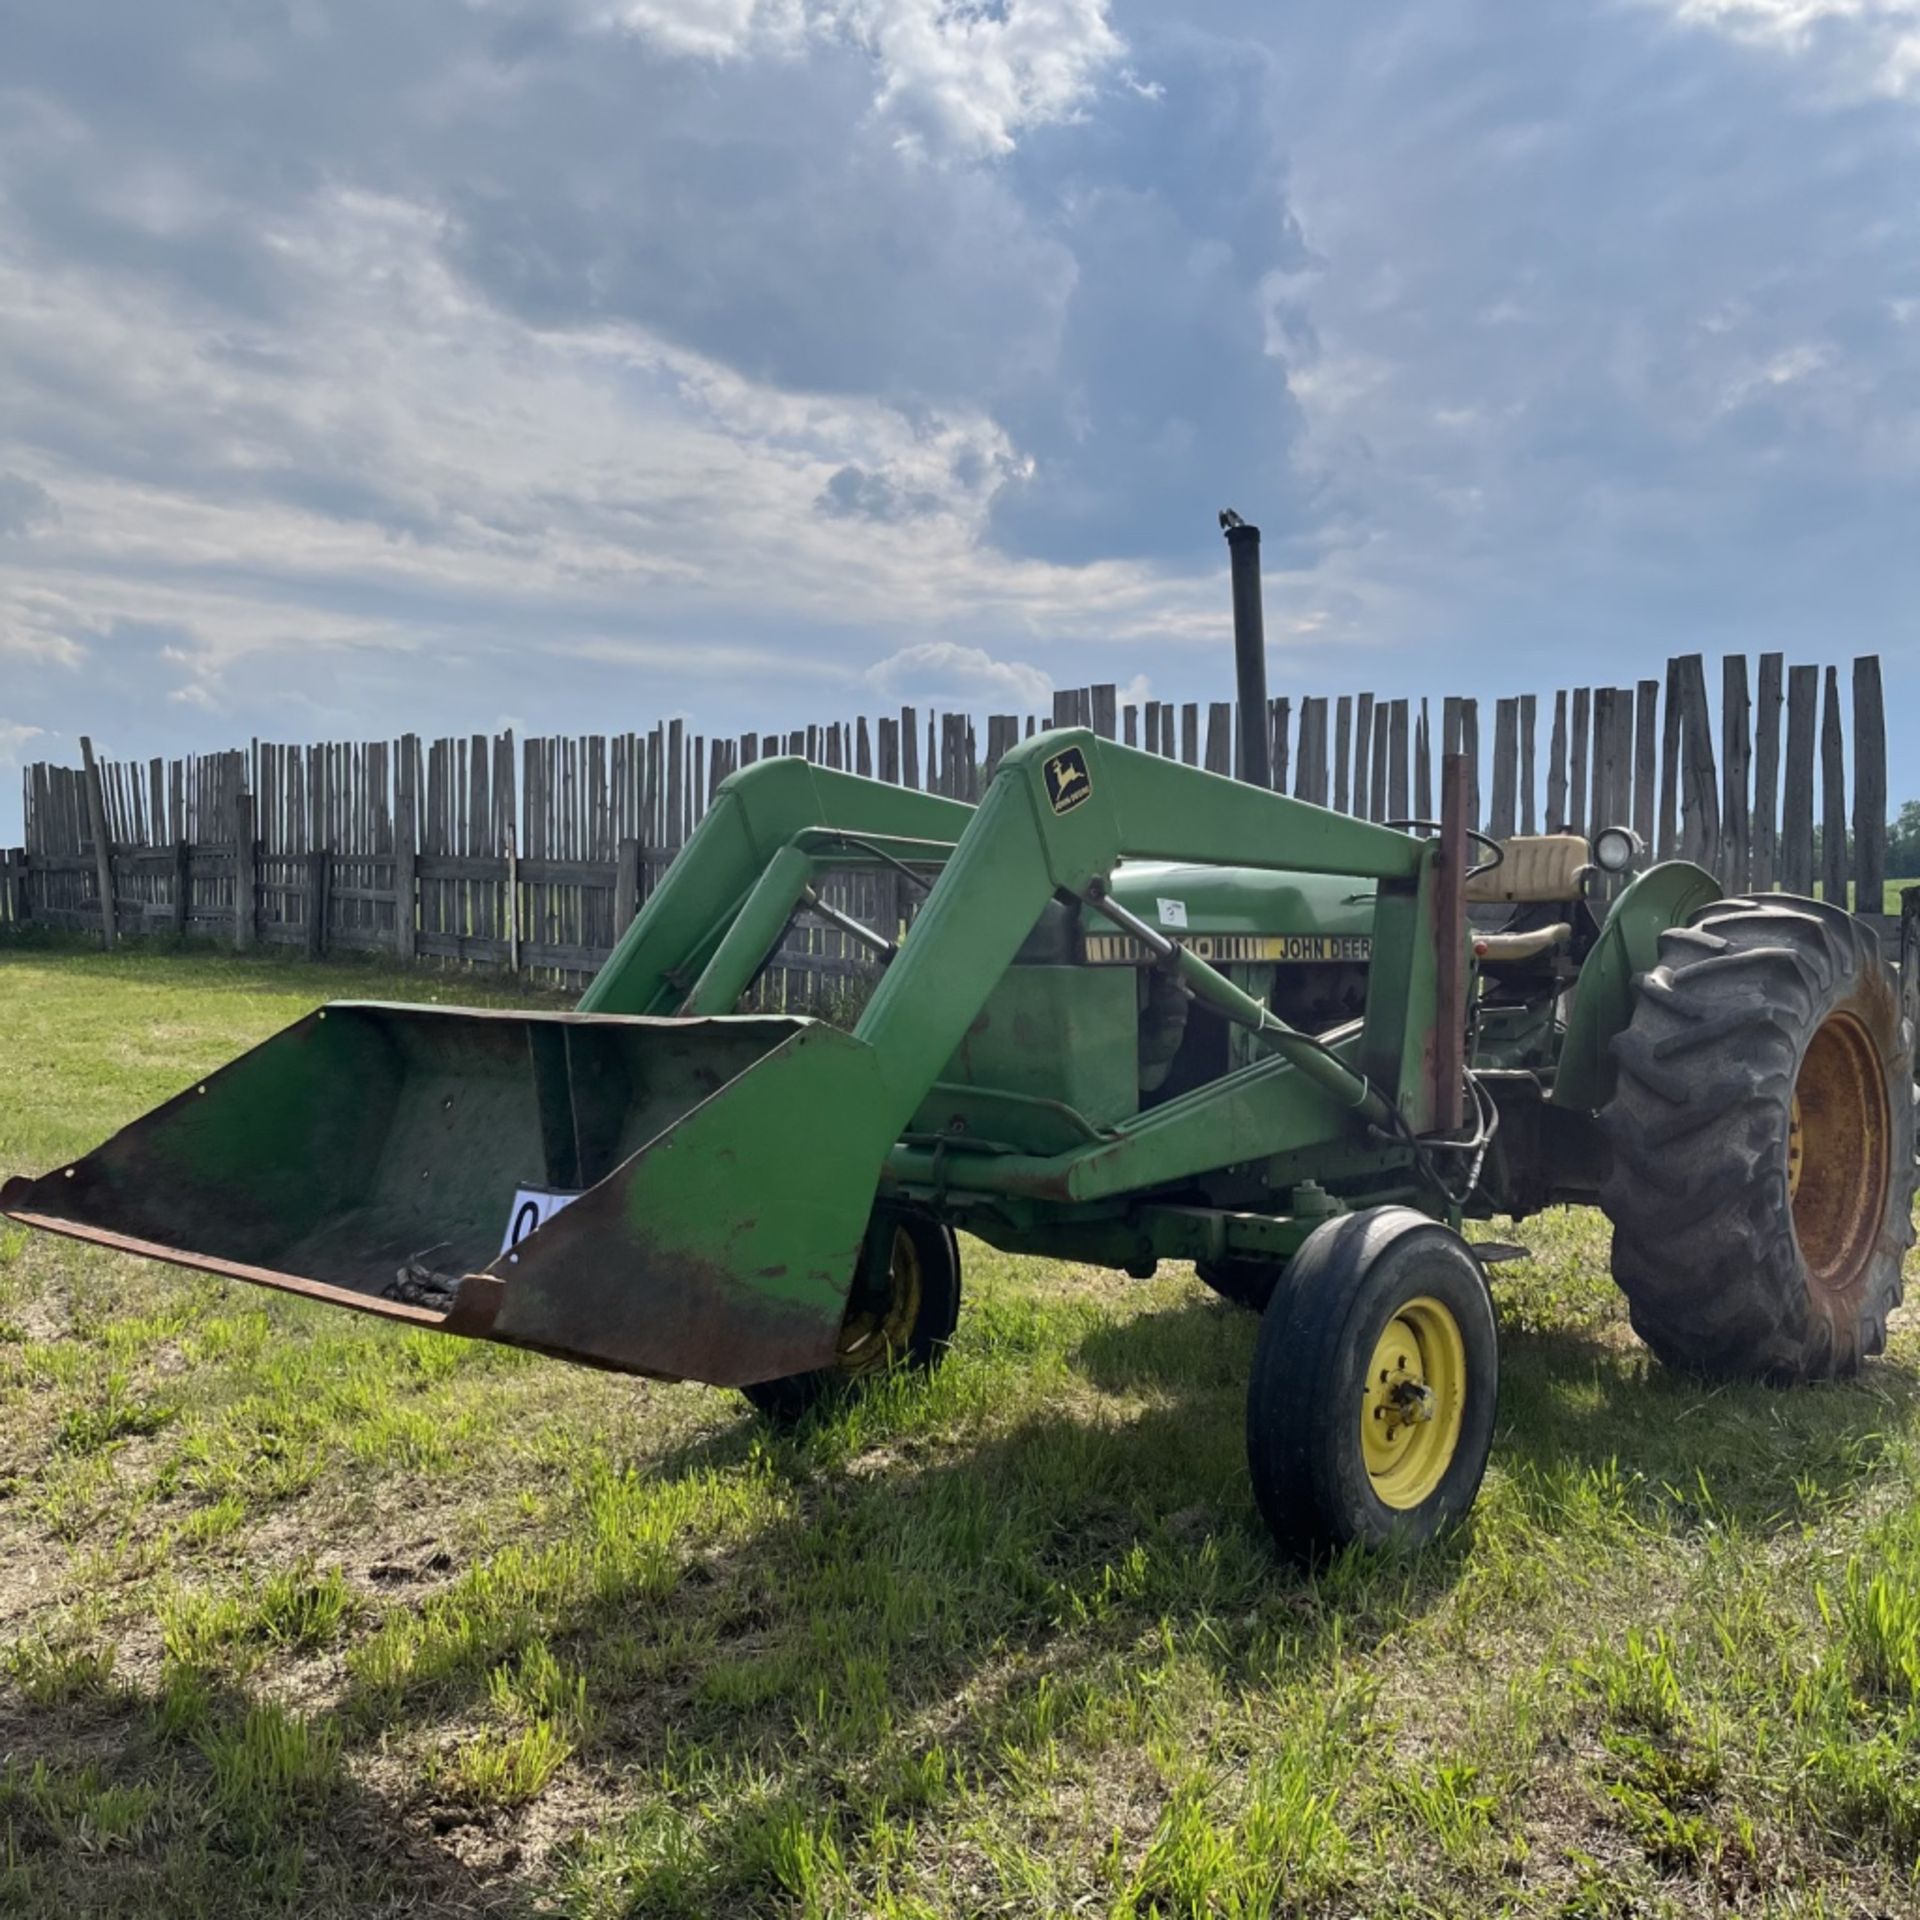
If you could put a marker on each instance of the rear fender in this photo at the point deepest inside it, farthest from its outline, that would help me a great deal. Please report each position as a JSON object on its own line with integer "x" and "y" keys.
{"x": 1668, "y": 895}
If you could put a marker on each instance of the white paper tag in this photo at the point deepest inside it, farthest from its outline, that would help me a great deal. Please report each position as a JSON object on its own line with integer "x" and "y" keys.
{"x": 533, "y": 1207}
{"x": 1173, "y": 913}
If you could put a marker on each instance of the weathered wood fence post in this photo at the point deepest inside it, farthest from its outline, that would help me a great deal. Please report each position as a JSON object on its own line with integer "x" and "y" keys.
{"x": 1796, "y": 806}
{"x": 1700, "y": 793}
{"x": 626, "y": 887}
{"x": 1766, "y": 775}
{"x": 1736, "y": 743}
{"x": 1869, "y": 787}
{"x": 406, "y": 856}
{"x": 182, "y": 887}
{"x": 319, "y": 902}
{"x": 514, "y": 941}
{"x": 1833, "y": 798}
{"x": 246, "y": 874}
{"x": 102, "y": 846}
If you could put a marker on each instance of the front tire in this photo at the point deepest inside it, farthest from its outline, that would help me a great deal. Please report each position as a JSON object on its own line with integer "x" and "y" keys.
{"x": 1370, "y": 1411}
{"x": 1761, "y": 1191}
{"x": 902, "y": 1311}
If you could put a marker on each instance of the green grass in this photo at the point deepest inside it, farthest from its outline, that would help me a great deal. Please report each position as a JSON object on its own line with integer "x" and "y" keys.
{"x": 303, "y": 1615}
{"x": 1890, "y": 893}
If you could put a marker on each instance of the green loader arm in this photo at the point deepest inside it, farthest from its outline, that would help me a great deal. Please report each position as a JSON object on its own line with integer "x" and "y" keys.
{"x": 763, "y": 1192}
{"x": 722, "y": 875}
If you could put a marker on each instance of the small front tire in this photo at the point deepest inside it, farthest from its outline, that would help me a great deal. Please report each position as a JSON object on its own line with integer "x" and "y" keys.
{"x": 1371, "y": 1408}
{"x": 902, "y": 1312}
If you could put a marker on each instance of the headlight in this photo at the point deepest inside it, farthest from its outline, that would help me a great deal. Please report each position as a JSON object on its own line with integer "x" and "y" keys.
{"x": 1617, "y": 850}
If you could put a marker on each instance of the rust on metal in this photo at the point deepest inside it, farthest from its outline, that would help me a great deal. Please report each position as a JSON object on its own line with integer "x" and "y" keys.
{"x": 333, "y": 1296}
{"x": 1840, "y": 1108}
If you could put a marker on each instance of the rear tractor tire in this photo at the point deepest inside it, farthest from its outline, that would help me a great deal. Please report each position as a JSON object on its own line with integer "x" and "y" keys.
{"x": 1761, "y": 1191}
{"x": 1370, "y": 1411}
{"x": 902, "y": 1312}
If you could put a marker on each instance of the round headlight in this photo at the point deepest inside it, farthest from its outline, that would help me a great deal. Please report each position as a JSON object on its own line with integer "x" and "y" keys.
{"x": 1617, "y": 849}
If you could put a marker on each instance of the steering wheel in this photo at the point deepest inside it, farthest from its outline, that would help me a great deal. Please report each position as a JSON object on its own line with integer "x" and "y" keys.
{"x": 1494, "y": 848}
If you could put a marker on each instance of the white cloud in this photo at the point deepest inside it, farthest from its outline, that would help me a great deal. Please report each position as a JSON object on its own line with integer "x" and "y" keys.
{"x": 36, "y": 625}
{"x": 14, "y": 735}
{"x": 237, "y": 502}
{"x": 711, "y": 29}
{"x": 1862, "y": 46}
{"x": 942, "y": 670}
{"x": 971, "y": 75}
{"x": 982, "y": 75}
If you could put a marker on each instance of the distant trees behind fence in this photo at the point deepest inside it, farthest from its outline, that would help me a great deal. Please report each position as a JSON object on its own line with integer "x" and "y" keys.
{"x": 533, "y": 855}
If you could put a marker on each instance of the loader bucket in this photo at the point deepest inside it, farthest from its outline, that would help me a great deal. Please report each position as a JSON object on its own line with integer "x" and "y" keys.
{"x": 690, "y": 1196}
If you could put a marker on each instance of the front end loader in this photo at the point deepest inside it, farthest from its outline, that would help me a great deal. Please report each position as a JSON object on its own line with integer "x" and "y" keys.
{"x": 1092, "y": 1042}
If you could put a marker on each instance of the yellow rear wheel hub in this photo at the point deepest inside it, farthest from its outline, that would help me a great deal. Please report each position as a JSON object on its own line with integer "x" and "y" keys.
{"x": 1412, "y": 1404}
{"x": 1839, "y": 1151}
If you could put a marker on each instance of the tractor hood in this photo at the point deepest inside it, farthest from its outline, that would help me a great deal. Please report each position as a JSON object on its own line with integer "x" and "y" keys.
{"x": 1253, "y": 903}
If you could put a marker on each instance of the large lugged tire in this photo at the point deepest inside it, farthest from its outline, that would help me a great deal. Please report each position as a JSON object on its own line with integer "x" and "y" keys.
{"x": 1370, "y": 1411}
{"x": 1761, "y": 1191}
{"x": 902, "y": 1312}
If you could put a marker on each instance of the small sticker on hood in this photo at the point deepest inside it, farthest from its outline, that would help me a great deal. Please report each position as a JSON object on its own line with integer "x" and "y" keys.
{"x": 1173, "y": 913}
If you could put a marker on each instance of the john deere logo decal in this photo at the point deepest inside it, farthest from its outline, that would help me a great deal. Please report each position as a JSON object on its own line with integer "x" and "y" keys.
{"x": 1068, "y": 781}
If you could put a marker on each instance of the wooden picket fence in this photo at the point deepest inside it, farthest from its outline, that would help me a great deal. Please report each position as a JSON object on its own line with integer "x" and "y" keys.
{"x": 533, "y": 856}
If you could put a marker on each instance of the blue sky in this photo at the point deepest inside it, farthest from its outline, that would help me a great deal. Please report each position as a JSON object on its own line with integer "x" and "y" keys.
{"x": 571, "y": 363}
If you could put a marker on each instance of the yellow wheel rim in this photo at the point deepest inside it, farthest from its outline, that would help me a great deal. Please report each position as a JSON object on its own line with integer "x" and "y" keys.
{"x": 1412, "y": 1403}
{"x": 1839, "y": 1151}
{"x": 875, "y": 1335}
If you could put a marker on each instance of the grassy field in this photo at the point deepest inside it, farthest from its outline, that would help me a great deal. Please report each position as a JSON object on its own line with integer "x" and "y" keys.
{"x": 305, "y": 1616}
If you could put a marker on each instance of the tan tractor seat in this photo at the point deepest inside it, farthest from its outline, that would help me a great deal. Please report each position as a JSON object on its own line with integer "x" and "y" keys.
{"x": 1538, "y": 867}
{"x": 1510, "y": 949}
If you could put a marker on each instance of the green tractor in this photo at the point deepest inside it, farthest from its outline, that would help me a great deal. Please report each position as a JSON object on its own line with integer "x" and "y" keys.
{"x": 1142, "y": 1013}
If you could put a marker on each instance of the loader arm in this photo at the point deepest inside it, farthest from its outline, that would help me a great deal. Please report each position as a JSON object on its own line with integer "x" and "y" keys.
{"x": 1033, "y": 840}
{"x": 713, "y": 923}
{"x": 756, "y": 815}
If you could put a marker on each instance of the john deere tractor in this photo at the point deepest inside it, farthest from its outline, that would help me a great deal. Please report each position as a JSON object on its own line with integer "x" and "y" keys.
{"x": 1095, "y": 1041}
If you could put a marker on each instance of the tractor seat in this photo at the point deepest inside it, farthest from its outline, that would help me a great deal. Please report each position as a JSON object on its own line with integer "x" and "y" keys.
{"x": 1538, "y": 867}
{"x": 1499, "y": 950}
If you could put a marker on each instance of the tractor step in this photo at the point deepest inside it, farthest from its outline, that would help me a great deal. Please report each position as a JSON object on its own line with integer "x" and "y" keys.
{"x": 1499, "y": 1253}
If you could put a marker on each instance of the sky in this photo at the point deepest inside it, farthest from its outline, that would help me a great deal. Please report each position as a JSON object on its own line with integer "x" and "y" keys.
{"x": 447, "y": 365}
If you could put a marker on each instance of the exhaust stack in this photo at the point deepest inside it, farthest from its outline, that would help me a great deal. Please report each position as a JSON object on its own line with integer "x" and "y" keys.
{"x": 1249, "y": 648}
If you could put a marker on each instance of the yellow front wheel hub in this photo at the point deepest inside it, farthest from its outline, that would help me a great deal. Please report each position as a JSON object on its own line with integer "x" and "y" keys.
{"x": 879, "y": 1333}
{"x": 1412, "y": 1403}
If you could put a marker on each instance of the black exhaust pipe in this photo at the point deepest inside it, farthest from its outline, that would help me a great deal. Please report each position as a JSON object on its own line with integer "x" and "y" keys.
{"x": 1249, "y": 648}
